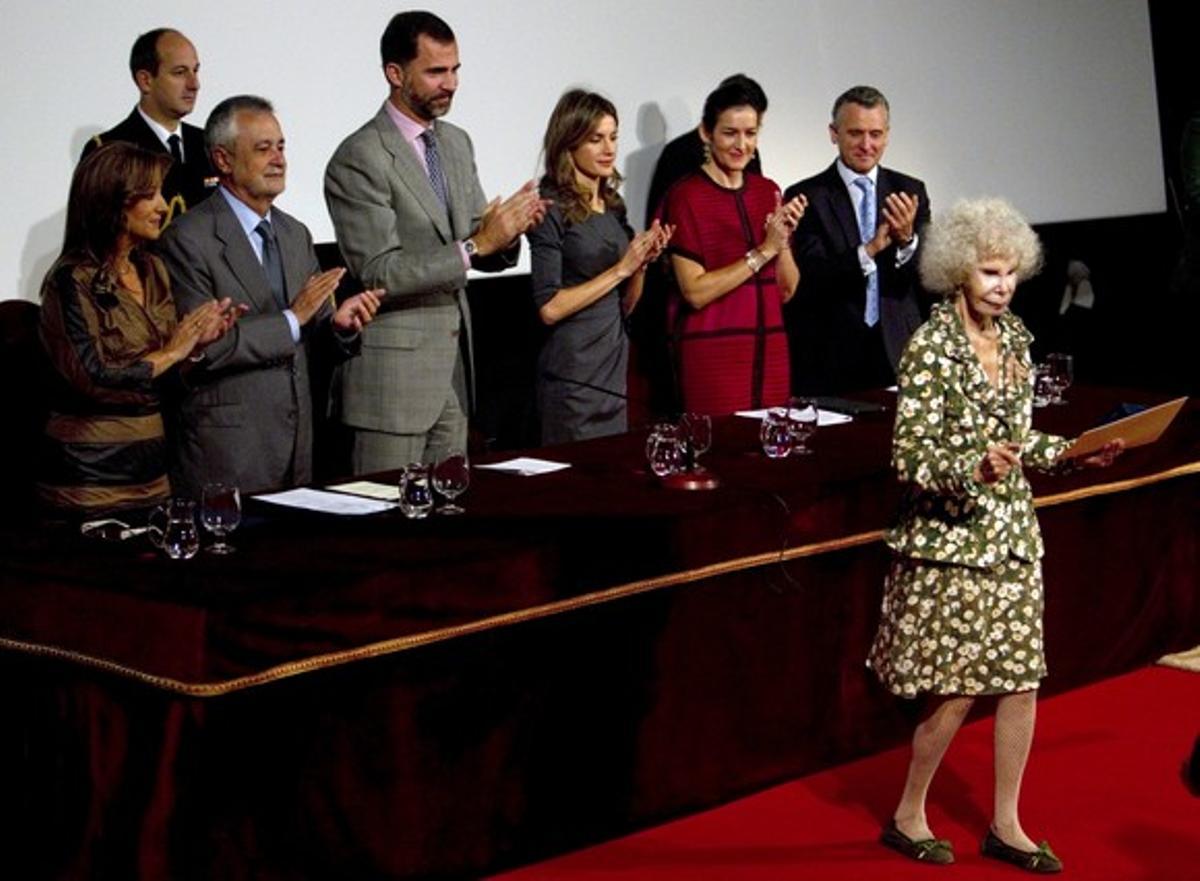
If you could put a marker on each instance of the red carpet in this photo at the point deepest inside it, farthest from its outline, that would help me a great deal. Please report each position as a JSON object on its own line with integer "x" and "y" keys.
{"x": 1103, "y": 785}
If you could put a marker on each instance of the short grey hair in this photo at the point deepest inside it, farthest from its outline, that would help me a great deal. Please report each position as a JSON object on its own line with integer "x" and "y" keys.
{"x": 220, "y": 130}
{"x": 972, "y": 232}
{"x": 866, "y": 96}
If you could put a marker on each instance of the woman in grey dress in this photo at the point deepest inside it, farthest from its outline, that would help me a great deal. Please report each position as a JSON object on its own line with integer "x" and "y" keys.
{"x": 588, "y": 270}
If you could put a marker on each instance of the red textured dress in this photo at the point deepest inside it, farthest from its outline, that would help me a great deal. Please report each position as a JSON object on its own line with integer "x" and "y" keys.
{"x": 731, "y": 354}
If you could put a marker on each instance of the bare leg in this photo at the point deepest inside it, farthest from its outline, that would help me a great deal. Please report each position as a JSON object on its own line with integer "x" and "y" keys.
{"x": 930, "y": 741}
{"x": 1015, "y": 717}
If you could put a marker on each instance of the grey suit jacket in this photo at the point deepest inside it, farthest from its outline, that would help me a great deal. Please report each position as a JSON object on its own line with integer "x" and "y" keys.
{"x": 245, "y": 414}
{"x": 395, "y": 234}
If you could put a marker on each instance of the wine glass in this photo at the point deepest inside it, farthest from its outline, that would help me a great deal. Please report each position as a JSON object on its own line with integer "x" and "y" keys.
{"x": 802, "y": 424}
{"x": 220, "y": 512}
{"x": 698, "y": 427}
{"x": 1062, "y": 372}
{"x": 451, "y": 477}
{"x": 416, "y": 498}
{"x": 776, "y": 433}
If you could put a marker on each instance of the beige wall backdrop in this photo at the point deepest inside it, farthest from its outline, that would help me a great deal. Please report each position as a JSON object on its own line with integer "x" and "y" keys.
{"x": 1049, "y": 103}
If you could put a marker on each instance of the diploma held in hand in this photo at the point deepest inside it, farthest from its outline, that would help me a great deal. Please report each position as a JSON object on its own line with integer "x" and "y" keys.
{"x": 1141, "y": 428}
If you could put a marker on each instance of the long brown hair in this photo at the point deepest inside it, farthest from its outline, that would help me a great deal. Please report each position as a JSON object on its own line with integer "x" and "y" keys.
{"x": 574, "y": 118}
{"x": 104, "y": 185}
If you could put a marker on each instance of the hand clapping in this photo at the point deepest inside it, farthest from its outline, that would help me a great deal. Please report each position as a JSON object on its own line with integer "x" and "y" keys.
{"x": 504, "y": 221}
{"x": 356, "y": 312}
{"x": 782, "y": 222}
{"x": 646, "y": 247}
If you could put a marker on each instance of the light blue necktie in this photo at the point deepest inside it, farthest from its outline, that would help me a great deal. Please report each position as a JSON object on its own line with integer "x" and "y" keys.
{"x": 866, "y": 229}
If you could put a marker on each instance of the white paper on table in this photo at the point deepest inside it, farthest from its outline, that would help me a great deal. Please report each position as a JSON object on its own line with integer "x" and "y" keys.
{"x": 526, "y": 466}
{"x": 386, "y": 492}
{"x": 824, "y": 417}
{"x": 326, "y": 502}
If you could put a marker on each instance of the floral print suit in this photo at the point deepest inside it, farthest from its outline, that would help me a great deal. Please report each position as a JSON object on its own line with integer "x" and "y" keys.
{"x": 962, "y": 607}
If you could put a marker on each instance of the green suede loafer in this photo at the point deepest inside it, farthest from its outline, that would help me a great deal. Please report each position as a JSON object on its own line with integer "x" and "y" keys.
{"x": 1041, "y": 861}
{"x": 935, "y": 851}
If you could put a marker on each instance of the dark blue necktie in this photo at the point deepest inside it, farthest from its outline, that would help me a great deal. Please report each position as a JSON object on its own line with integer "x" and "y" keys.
{"x": 271, "y": 264}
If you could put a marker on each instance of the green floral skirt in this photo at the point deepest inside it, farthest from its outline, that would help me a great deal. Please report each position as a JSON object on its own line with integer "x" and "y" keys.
{"x": 956, "y": 630}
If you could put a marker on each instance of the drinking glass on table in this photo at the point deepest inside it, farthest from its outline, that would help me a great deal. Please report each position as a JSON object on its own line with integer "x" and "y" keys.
{"x": 802, "y": 424}
{"x": 698, "y": 430}
{"x": 416, "y": 497}
{"x": 220, "y": 512}
{"x": 1062, "y": 372}
{"x": 664, "y": 449}
{"x": 1043, "y": 385}
{"x": 172, "y": 529}
{"x": 776, "y": 433}
{"x": 451, "y": 477}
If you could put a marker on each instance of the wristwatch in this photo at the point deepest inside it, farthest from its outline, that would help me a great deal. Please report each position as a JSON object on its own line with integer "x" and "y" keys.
{"x": 470, "y": 248}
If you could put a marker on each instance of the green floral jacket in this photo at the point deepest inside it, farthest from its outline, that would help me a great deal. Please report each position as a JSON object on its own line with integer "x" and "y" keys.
{"x": 946, "y": 417}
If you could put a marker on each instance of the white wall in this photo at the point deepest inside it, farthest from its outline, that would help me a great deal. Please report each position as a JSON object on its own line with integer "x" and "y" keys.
{"x": 1049, "y": 103}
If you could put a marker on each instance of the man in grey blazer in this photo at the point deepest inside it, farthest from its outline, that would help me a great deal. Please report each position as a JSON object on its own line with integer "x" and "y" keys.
{"x": 245, "y": 415}
{"x": 411, "y": 218}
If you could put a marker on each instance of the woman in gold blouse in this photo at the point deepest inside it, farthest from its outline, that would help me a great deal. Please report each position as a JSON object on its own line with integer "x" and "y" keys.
{"x": 109, "y": 327}
{"x": 962, "y": 607}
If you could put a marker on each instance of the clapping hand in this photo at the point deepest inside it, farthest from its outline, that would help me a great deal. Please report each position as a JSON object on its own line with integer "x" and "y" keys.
{"x": 504, "y": 221}
{"x": 899, "y": 215}
{"x": 358, "y": 311}
{"x": 645, "y": 248}
{"x": 316, "y": 291}
{"x": 217, "y": 318}
{"x": 900, "y": 212}
{"x": 782, "y": 222}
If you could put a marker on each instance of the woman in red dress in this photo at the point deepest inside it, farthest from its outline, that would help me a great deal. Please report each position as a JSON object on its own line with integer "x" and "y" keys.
{"x": 733, "y": 267}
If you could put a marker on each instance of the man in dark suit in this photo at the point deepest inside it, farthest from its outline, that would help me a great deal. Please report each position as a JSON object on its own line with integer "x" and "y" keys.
{"x": 166, "y": 70}
{"x": 411, "y": 218}
{"x": 859, "y": 298}
{"x": 245, "y": 417}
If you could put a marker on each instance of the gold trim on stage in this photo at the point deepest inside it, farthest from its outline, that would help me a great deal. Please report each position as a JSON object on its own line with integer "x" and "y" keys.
{"x": 406, "y": 643}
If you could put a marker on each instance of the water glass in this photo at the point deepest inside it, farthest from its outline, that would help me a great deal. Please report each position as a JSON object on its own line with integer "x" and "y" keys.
{"x": 802, "y": 424}
{"x": 416, "y": 495}
{"x": 664, "y": 449}
{"x": 220, "y": 512}
{"x": 1062, "y": 372}
{"x": 451, "y": 477}
{"x": 698, "y": 430}
{"x": 173, "y": 530}
{"x": 1043, "y": 385}
{"x": 776, "y": 433}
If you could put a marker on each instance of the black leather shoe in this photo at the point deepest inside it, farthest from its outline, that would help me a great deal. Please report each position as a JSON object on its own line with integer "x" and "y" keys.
{"x": 1041, "y": 861}
{"x": 935, "y": 851}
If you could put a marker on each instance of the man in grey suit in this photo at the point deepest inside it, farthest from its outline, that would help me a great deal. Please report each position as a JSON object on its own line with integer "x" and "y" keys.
{"x": 411, "y": 218}
{"x": 245, "y": 417}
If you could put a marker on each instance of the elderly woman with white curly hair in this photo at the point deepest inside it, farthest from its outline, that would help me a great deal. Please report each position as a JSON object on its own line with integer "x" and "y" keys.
{"x": 962, "y": 606}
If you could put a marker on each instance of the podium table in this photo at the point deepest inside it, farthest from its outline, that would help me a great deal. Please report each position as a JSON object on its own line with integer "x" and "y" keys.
{"x": 580, "y": 654}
